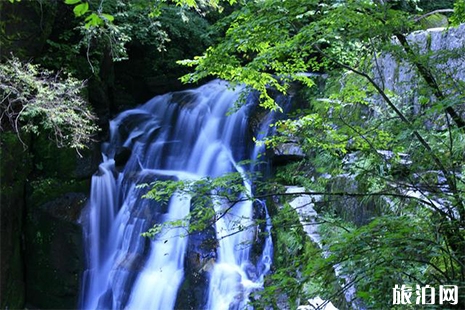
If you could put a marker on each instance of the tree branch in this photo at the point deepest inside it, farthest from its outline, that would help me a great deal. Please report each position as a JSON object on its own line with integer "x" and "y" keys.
{"x": 390, "y": 104}
{"x": 418, "y": 18}
{"x": 423, "y": 142}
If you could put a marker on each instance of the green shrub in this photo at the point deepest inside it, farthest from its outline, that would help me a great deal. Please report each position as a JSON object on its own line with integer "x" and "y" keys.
{"x": 42, "y": 102}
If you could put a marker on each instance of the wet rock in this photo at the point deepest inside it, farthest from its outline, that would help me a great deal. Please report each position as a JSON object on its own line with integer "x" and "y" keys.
{"x": 259, "y": 215}
{"x": 199, "y": 261}
{"x": 122, "y": 157}
{"x": 88, "y": 164}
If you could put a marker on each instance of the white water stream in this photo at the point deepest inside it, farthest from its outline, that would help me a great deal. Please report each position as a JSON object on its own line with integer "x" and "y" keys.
{"x": 182, "y": 136}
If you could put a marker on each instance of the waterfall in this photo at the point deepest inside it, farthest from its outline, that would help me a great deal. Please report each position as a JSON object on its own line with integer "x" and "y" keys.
{"x": 178, "y": 136}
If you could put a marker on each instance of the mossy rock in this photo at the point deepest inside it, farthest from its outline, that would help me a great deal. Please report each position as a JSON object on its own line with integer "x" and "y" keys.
{"x": 54, "y": 253}
{"x": 434, "y": 21}
{"x": 14, "y": 169}
{"x": 57, "y": 171}
{"x": 356, "y": 210}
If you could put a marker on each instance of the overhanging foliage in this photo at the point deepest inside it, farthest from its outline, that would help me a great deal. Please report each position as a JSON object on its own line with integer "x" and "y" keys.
{"x": 39, "y": 101}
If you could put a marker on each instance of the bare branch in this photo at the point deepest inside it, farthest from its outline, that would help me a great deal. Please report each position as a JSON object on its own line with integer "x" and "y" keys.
{"x": 418, "y": 18}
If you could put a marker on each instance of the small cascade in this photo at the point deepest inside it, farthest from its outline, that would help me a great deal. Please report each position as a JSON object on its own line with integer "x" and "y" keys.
{"x": 179, "y": 136}
{"x": 234, "y": 277}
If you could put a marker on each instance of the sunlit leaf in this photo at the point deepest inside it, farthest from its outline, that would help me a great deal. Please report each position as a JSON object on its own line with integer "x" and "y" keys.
{"x": 81, "y": 9}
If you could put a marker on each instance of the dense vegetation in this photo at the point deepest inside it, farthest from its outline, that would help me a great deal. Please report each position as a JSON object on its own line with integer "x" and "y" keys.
{"x": 400, "y": 158}
{"x": 396, "y": 157}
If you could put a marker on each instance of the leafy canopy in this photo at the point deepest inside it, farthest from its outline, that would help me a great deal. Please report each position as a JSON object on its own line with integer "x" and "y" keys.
{"x": 95, "y": 16}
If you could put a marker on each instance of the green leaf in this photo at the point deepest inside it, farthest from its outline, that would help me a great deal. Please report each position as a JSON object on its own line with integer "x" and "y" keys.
{"x": 81, "y": 9}
{"x": 72, "y": 1}
{"x": 109, "y": 17}
{"x": 93, "y": 20}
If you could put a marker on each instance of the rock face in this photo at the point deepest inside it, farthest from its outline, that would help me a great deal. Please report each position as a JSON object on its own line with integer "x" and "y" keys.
{"x": 304, "y": 207}
{"x": 445, "y": 48}
{"x": 352, "y": 209}
{"x": 286, "y": 153}
{"x": 14, "y": 168}
{"x": 40, "y": 242}
{"x": 22, "y": 19}
{"x": 54, "y": 253}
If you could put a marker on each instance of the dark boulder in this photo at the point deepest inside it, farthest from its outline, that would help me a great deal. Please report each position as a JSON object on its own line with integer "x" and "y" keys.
{"x": 54, "y": 256}
{"x": 286, "y": 153}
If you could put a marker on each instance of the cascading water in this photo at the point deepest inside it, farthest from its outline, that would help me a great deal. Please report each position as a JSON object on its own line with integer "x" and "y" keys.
{"x": 179, "y": 136}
